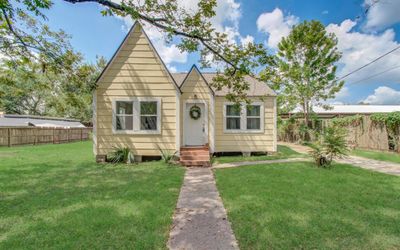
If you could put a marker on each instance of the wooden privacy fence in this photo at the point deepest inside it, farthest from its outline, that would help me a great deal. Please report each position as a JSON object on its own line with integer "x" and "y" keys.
{"x": 364, "y": 135}
{"x": 13, "y": 136}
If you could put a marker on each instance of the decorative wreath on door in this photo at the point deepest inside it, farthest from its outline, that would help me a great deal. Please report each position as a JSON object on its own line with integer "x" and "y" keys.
{"x": 195, "y": 112}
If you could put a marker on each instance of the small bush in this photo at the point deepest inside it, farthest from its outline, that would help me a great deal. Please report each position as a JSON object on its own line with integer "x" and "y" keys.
{"x": 121, "y": 155}
{"x": 332, "y": 144}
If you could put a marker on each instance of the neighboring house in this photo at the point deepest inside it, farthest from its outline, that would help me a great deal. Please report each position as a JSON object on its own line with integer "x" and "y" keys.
{"x": 346, "y": 110}
{"x": 9, "y": 120}
{"x": 139, "y": 104}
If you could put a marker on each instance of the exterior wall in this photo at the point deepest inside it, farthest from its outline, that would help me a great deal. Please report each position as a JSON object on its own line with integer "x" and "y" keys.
{"x": 136, "y": 71}
{"x": 246, "y": 142}
{"x": 195, "y": 85}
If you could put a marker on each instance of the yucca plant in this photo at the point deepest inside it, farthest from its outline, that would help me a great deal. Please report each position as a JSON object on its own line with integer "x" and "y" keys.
{"x": 166, "y": 155}
{"x": 123, "y": 155}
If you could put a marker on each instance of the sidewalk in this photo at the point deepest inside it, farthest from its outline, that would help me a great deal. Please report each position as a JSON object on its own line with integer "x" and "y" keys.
{"x": 200, "y": 219}
{"x": 370, "y": 164}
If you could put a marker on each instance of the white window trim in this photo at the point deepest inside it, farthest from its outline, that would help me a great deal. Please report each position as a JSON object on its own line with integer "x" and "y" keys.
{"x": 136, "y": 115}
{"x": 243, "y": 119}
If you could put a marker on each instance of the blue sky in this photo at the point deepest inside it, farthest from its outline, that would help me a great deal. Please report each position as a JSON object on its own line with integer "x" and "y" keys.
{"x": 362, "y": 37}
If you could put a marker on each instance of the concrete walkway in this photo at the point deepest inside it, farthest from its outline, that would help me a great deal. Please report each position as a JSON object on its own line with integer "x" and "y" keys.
{"x": 246, "y": 163}
{"x": 374, "y": 165}
{"x": 200, "y": 220}
{"x": 370, "y": 164}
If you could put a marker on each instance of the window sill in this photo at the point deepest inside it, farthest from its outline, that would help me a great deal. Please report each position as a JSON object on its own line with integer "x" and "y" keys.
{"x": 141, "y": 132}
{"x": 244, "y": 131}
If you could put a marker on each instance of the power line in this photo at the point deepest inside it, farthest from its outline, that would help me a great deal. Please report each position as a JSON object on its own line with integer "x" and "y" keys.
{"x": 373, "y": 61}
{"x": 377, "y": 74}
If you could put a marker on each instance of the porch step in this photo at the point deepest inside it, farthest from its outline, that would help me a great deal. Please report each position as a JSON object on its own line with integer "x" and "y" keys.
{"x": 195, "y": 156}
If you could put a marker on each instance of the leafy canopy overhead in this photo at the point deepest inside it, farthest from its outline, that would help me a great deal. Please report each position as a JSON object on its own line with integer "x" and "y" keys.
{"x": 193, "y": 26}
{"x": 303, "y": 71}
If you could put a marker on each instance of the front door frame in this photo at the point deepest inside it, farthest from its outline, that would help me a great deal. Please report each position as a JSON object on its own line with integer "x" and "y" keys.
{"x": 186, "y": 116}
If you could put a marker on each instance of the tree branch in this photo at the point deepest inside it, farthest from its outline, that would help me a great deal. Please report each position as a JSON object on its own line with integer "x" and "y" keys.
{"x": 158, "y": 22}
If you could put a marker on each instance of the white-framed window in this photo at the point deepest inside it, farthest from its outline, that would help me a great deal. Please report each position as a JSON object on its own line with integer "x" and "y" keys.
{"x": 141, "y": 115}
{"x": 233, "y": 120}
{"x": 253, "y": 117}
{"x": 243, "y": 118}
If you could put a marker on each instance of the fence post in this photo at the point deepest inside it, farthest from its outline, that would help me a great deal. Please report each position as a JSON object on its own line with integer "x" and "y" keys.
{"x": 81, "y": 134}
{"x": 67, "y": 135}
{"x": 9, "y": 137}
{"x": 34, "y": 136}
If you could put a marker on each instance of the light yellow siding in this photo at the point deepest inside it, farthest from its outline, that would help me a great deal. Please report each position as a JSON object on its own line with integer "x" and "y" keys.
{"x": 136, "y": 71}
{"x": 246, "y": 142}
{"x": 195, "y": 88}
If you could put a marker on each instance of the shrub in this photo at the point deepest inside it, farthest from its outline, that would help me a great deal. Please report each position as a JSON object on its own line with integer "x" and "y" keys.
{"x": 121, "y": 155}
{"x": 332, "y": 144}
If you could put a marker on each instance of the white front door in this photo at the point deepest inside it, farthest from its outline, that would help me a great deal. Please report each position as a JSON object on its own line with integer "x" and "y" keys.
{"x": 195, "y": 130}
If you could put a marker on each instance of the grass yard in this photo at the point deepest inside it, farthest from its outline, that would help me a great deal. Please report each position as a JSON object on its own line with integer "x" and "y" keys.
{"x": 283, "y": 153}
{"x": 377, "y": 155}
{"x": 56, "y": 196}
{"x": 298, "y": 206}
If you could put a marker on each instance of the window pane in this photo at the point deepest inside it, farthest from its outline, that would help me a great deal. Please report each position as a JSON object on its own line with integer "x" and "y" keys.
{"x": 124, "y": 108}
{"x": 148, "y": 108}
{"x": 124, "y": 122}
{"x": 253, "y": 110}
{"x": 253, "y": 123}
{"x": 232, "y": 110}
{"x": 148, "y": 123}
{"x": 233, "y": 123}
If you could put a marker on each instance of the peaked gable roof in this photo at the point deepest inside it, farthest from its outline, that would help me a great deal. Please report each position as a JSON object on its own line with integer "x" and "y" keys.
{"x": 135, "y": 25}
{"x": 256, "y": 87}
{"x": 193, "y": 68}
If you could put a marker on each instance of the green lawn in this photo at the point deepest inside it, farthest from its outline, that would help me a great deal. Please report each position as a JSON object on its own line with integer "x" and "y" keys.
{"x": 377, "y": 155}
{"x": 298, "y": 206}
{"x": 55, "y": 196}
{"x": 283, "y": 153}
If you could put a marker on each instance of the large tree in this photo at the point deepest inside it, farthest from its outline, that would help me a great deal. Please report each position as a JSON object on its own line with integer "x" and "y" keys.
{"x": 303, "y": 71}
{"x": 193, "y": 26}
{"x": 30, "y": 88}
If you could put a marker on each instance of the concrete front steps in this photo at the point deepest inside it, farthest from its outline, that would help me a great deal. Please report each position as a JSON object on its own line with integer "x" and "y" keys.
{"x": 195, "y": 156}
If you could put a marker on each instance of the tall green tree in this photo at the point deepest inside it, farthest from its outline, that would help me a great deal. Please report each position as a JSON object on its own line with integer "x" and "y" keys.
{"x": 303, "y": 71}
{"x": 29, "y": 88}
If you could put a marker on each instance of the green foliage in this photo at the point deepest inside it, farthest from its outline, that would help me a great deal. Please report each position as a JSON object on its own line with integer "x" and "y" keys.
{"x": 32, "y": 89}
{"x": 24, "y": 38}
{"x": 354, "y": 121}
{"x": 121, "y": 155}
{"x": 332, "y": 144}
{"x": 194, "y": 26}
{"x": 391, "y": 120}
{"x": 303, "y": 71}
{"x": 392, "y": 123}
{"x": 166, "y": 156}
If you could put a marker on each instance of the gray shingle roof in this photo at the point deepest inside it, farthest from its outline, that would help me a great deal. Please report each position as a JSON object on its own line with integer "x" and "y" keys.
{"x": 25, "y": 121}
{"x": 257, "y": 88}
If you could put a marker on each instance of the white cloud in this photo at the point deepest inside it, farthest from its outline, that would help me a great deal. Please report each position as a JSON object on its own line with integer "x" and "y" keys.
{"x": 384, "y": 95}
{"x": 359, "y": 49}
{"x": 172, "y": 69}
{"x": 246, "y": 40}
{"x": 325, "y": 12}
{"x": 343, "y": 93}
{"x": 382, "y": 14}
{"x": 276, "y": 25}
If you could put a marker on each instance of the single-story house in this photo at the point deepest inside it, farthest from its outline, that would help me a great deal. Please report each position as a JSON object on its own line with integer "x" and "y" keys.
{"x": 13, "y": 120}
{"x": 139, "y": 104}
{"x": 341, "y": 110}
